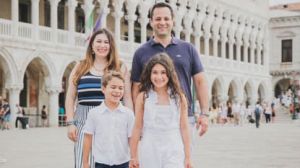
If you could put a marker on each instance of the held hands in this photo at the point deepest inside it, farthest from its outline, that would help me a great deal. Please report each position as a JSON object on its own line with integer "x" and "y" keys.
{"x": 134, "y": 163}
{"x": 72, "y": 133}
{"x": 202, "y": 121}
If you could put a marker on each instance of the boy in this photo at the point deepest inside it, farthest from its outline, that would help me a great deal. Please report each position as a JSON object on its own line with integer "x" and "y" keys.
{"x": 108, "y": 127}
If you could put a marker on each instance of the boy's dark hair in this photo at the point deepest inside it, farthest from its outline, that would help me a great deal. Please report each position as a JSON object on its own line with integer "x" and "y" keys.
{"x": 161, "y": 5}
{"x": 109, "y": 75}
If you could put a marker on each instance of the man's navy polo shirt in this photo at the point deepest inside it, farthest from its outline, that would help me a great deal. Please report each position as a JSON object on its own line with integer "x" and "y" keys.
{"x": 185, "y": 58}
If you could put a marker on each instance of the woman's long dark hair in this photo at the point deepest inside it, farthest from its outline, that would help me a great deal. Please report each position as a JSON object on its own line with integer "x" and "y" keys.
{"x": 173, "y": 83}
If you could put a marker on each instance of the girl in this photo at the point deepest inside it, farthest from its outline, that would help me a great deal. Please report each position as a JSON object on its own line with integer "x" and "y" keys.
{"x": 161, "y": 111}
{"x": 85, "y": 85}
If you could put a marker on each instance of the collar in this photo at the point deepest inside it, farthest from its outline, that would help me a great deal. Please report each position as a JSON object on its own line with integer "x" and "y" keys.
{"x": 103, "y": 108}
{"x": 174, "y": 41}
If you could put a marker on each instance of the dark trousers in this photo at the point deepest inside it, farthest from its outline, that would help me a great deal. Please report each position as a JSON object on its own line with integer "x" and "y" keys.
{"x": 268, "y": 118}
{"x": 23, "y": 120}
{"x": 124, "y": 165}
{"x": 257, "y": 119}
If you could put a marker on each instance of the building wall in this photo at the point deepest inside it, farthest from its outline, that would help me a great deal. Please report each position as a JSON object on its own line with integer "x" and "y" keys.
{"x": 53, "y": 50}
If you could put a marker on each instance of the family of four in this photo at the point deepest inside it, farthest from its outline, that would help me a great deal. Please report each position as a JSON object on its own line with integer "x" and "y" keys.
{"x": 159, "y": 133}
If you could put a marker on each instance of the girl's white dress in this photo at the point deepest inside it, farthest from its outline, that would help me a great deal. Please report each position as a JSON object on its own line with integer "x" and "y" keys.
{"x": 161, "y": 145}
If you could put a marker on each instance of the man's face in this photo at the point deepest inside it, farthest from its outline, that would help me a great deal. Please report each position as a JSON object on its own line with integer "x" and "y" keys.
{"x": 162, "y": 22}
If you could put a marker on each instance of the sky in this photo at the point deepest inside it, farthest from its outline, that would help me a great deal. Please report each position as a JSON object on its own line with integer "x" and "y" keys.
{"x": 276, "y": 2}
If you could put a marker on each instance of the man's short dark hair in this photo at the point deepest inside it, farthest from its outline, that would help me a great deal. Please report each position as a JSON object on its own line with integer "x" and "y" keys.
{"x": 161, "y": 5}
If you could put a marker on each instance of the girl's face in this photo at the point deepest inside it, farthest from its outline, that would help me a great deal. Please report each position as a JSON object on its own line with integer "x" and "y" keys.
{"x": 101, "y": 46}
{"x": 114, "y": 90}
{"x": 159, "y": 77}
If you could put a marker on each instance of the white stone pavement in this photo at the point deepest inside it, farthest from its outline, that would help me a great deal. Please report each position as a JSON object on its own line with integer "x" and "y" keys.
{"x": 271, "y": 146}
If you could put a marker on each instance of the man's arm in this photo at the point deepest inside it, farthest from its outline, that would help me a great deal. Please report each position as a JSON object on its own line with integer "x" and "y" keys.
{"x": 135, "y": 91}
{"x": 202, "y": 95}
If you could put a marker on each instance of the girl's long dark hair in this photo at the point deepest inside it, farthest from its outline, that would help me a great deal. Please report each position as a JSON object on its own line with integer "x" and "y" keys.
{"x": 173, "y": 83}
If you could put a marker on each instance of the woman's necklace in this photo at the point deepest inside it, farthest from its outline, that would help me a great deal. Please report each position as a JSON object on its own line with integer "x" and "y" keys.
{"x": 98, "y": 71}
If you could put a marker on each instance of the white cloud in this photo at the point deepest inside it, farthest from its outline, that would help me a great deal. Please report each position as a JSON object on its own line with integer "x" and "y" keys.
{"x": 277, "y": 2}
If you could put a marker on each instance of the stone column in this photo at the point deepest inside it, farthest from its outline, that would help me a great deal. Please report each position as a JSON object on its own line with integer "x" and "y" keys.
{"x": 14, "y": 98}
{"x": 223, "y": 46}
{"x": 53, "y": 107}
{"x": 15, "y": 16}
{"x": 187, "y": 33}
{"x": 54, "y": 5}
{"x": 258, "y": 54}
{"x": 231, "y": 41}
{"x": 35, "y": 17}
{"x": 131, "y": 18}
{"x": 143, "y": 22}
{"x": 197, "y": 36}
{"x": 71, "y": 20}
{"x": 215, "y": 45}
{"x": 105, "y": 12}
{"x": 118, "y": 15}
{"x": 206, "y": 43}
{"x": 252, "y": 48}
{"x": 246, "y": 46}
{"x": 238, "y": 50}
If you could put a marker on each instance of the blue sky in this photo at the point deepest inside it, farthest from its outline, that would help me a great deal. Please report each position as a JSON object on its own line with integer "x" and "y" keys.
{"x": 276, "y": 2}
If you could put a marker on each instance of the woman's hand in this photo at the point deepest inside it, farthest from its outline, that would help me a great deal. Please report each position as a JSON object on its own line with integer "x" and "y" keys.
{"x": 188, "y": 163}
{"x": 72, "y": 133}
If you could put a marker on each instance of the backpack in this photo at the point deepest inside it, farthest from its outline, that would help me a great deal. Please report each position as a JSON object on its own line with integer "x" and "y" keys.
{"x": 257, "y": 111}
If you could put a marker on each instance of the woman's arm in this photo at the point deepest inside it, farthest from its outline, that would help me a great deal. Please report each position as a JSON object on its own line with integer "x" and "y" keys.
{"x": 87, "y": 144}
{"x": 184, "y": 128}
{"x": 127, "y": 92}
{"x": 136, "y": 132}
{"x": 69, "y": 105}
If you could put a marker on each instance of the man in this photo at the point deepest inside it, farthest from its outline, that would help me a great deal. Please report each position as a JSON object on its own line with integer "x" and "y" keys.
{"x": 184, "y": 56}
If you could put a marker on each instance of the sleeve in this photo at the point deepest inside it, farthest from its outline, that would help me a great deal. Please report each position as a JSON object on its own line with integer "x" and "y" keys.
{"x": 195, "y": 61}
{"x": 136, "y": 68}
{"x": 89, "y": 126}
{"x": 130, "y": 123}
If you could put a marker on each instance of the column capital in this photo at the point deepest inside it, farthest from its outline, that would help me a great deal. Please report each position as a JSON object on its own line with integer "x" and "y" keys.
{"x": 117, "y": 14}
{"x": 131, "y": 17}
{"x": 16, "y": 87}
{"x": 54, "y": 2}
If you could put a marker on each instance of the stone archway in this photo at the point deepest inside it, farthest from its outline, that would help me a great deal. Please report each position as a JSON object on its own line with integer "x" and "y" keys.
{"x": 247, "y": 93}
{"x": 281, "y": 87}
{"x": 34, "y": 94}
{"x": 216, "y": 92}
{"x": 261, "y": 92}
{"x": 62, "y": 94}
{"x": 232, "y": 91}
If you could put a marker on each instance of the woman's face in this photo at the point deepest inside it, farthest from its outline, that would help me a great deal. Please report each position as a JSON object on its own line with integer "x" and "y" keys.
{"x": 101, "y": 46}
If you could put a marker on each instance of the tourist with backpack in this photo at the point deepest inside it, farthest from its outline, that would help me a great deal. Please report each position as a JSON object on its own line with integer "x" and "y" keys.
{"x": 257, "y": 113}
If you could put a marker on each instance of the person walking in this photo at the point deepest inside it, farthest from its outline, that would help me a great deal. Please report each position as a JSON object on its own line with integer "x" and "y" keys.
{"x": 44, "y": 116}
{"x": 84, "y": 91}
{"x": 257, "y": 113}
{"x": 161, "y": 116}
{"x": 184, "y": 56}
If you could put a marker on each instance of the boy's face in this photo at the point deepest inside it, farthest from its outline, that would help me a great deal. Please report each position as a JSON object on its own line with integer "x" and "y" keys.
{"x": 114, "y": 90}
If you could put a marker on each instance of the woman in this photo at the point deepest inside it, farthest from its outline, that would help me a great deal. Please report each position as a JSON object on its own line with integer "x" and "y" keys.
{"x": 85, "y": 85}
{"x": 44, "y": 116}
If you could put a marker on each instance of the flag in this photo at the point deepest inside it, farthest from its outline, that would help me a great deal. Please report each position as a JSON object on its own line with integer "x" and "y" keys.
{"x": 98, "y": 22}
{"x": 91, "y": 26}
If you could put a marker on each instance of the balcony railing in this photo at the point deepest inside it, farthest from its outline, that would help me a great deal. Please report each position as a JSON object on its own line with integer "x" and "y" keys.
{"x": 26, "y": 31}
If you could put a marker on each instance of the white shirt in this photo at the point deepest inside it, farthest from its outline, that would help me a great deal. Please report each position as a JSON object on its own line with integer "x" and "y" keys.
{"x": 110, "y": 130}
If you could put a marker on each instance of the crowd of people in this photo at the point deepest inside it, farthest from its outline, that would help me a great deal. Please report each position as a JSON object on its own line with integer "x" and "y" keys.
{"x": 238, "y": 114}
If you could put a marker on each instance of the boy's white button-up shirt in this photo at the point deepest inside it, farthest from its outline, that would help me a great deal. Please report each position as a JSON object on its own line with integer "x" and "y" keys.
{"x": 110, "y": 130}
